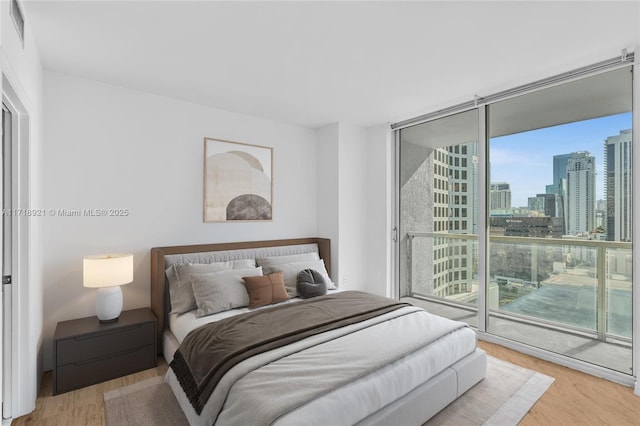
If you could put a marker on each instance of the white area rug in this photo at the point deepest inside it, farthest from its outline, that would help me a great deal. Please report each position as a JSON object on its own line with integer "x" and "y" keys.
{"x": 502, "y": 398}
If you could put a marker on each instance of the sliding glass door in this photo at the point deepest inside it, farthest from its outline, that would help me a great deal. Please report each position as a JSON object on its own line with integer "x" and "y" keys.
{"x": 515, "y": 215}
{"x": 439, "y": 212}
{"x": 560, "y": 219}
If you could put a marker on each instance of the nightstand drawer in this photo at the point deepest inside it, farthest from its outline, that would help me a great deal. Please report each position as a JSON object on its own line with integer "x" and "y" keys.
{"x": 86, "y": 351}
{"x": 93, "y": 346}
{"x": 76, "y": 375}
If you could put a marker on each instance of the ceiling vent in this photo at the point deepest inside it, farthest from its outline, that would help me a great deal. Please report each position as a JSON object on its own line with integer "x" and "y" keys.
{"x": 18, "y": 19}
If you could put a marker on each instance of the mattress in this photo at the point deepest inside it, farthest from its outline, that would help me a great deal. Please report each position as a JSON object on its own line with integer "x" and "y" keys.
{"x": 344, "y": 404}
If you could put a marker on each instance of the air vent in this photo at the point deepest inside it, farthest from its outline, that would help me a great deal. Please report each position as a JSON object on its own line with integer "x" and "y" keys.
{"x": 18, "y": 19}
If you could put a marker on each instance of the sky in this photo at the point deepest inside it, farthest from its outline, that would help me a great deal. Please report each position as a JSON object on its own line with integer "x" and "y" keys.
{"x": 525, "y": 160}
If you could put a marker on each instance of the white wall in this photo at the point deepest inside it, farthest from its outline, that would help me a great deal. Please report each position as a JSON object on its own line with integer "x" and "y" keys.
{"x": 352, "y": 210}
{"x": 23, "y": 72}
{"x": 328, "y": 185}
{"x": 380, "y": 205}
{"x": 109, "y": 147}
{"x": 354, "y": 197}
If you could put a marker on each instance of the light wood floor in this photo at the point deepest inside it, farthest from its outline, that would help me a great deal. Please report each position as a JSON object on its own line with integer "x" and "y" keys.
{"x": 573, "y": 399}
{"x": 80, "y": 407}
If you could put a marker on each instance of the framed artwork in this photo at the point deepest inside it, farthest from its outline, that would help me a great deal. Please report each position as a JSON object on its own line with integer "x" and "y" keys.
{"x": 238, "y": 181}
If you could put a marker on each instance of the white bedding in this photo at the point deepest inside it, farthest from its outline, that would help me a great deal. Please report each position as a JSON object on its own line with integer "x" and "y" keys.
{"x": 345, "y": 404}
{"x": 385, "y": 385}
{"x": 181, "y": 324}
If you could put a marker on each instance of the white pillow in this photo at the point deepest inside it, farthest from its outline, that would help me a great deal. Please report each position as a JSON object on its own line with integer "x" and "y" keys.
{"x": 269, "y": 262}
{"x": 291, "y": 271}
{"x": 180, "y": 290}
{"x": 221, "y": 291}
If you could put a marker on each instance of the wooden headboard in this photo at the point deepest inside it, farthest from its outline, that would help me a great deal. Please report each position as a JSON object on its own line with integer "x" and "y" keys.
{"x": 158, "y": 279}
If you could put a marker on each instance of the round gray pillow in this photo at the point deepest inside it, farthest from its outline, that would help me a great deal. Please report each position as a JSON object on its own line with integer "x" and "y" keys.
{"x": 310, "y": 283}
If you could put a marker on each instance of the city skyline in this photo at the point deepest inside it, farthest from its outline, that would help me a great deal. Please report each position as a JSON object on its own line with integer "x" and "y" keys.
{"x": 536, "y": 149}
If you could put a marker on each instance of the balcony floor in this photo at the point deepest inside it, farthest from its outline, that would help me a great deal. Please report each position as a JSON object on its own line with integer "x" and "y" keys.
{"x": 609, "y": 355}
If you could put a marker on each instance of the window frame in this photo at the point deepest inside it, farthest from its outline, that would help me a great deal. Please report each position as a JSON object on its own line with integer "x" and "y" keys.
{"x": 481, "y": 105}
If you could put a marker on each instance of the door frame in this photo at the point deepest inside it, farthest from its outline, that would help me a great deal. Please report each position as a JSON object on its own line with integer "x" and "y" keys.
{"x": 19, "y": 386}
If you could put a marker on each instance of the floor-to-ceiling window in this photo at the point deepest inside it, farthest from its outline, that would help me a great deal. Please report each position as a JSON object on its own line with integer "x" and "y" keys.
{"x": 515, "y": 215}
{"x": 560, "y": 249}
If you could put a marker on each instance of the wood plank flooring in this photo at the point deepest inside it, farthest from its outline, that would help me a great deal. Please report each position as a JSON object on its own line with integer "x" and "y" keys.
{"x": 574, "y": 398}
{"x": 80, "y": 407}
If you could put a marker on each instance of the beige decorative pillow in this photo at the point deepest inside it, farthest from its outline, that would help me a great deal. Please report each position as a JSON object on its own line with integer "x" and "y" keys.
{"x": 265, "y": 289}
{"x": 221, "y": 291}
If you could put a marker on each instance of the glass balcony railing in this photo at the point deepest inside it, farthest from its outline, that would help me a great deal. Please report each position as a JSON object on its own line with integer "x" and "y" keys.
{"x": 581, "y": 286}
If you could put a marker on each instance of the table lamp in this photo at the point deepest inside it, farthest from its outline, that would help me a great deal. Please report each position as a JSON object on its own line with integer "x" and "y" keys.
{"x": 107, "y": 272}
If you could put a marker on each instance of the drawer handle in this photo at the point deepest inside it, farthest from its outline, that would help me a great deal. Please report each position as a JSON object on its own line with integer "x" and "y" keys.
{"x": 111, "y": 355}
{"x": 107, "y": 333}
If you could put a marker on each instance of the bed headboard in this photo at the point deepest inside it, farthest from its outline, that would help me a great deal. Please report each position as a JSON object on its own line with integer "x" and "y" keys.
{"x": 159, "y": 285}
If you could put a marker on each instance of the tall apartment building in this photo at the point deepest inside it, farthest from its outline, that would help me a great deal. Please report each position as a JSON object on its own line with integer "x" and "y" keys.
{"x": 617, "y": 163}
{"x": 463, "y": 187}
{"x": 499, "y": 196}
{"x": 441, "y": 188}
{"x": 581, "y": 191}
{"x": 455, "y": 211}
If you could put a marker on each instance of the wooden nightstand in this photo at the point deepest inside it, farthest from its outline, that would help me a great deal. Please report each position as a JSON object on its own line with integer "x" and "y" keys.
{"x": 86, "y": 352}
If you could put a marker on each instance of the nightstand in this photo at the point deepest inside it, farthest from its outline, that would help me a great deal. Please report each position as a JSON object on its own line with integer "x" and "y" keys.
{"x": 86, "y": 352}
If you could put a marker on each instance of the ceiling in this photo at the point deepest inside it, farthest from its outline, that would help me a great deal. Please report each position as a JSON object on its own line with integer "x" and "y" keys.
{"x": 314, "y": 63}
{"x": 599, "y": 95}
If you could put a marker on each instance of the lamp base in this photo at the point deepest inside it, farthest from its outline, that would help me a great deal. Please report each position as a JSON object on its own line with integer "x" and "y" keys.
{"x": 109, "y": 304}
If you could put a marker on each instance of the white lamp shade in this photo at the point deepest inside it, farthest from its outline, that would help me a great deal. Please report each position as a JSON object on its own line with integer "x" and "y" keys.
{"x": 107, "y": 270}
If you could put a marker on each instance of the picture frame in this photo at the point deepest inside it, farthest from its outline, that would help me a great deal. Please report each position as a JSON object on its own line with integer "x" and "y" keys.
{"x": 238, "y": 182}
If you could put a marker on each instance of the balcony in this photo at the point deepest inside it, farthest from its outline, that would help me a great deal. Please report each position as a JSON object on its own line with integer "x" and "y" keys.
{"x": 569, "y": 296}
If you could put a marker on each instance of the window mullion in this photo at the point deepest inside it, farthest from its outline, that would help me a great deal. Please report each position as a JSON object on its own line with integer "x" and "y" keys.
{"x": 483, "y": 227}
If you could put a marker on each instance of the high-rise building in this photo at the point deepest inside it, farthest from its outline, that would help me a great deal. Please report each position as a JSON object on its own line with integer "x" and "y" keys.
{"x": 549, "y": 204}
{"x": 617, "y": 163}
{"x": 463, "y": 177}
{"x": 443, "y": 183}
{"x": 551, "y": 189}
{"x": 601, "y": 213}
{"x": 559, "y": 185}
{"x": 455, "y": 176}
{"x": 535, "y": 204}
{"x": 560, "y": 163}
{"x": 581, "y": 191}
{"x": 500, "y": 196}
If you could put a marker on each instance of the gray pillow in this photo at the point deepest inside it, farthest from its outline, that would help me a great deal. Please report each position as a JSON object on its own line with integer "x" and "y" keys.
{"x": 180, "y": 289}
{"x": 291, "y": 271}
{"x": 268, "y": 263}
{"x": 221, "y": 291}
{"x": 311, "y": 283}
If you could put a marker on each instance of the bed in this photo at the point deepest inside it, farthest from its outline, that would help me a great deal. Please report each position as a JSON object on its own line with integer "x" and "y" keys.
{"x": 399, "y": 365}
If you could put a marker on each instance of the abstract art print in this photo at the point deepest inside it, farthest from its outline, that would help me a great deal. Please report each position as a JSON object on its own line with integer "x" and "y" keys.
{"x": 238, "y": 184}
